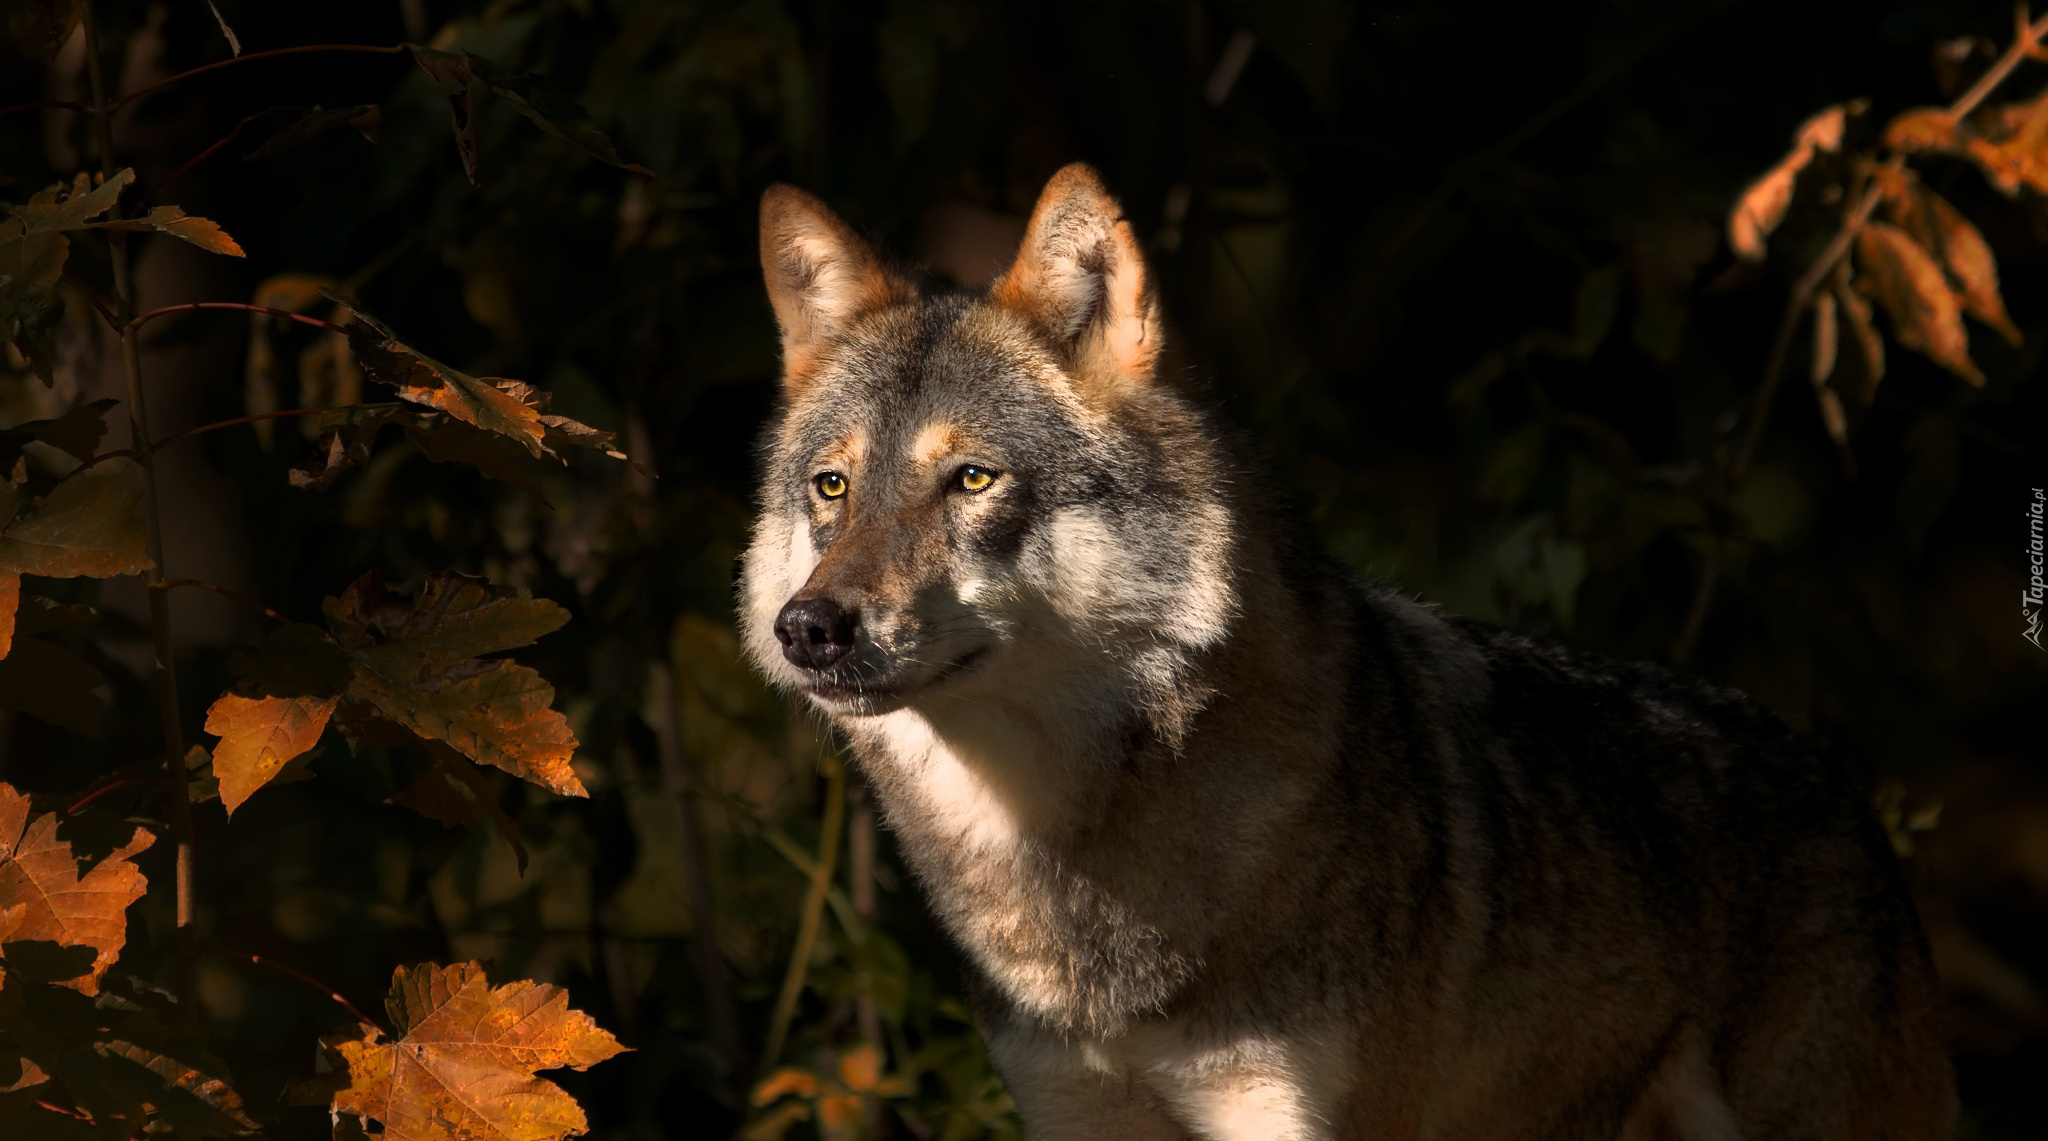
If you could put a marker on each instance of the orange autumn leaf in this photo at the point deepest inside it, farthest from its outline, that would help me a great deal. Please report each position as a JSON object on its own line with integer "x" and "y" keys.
{"x": 258, "y": 736}
{"x": 464, "y": 1060}
{"x": 1924, "y": 313}
{"x": 1972, "y": 268}
{"x": 201, "y": 232}
{"x": 420, "y": 379}
{"x": 860, "y": 1068}
{"x": 39, "y": 874}
{"x": 1763, "y": 204}
{"x": 784, "y": 1082}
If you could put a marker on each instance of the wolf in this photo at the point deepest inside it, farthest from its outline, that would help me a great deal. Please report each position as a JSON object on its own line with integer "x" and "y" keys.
{"x": 1238, "y": 846}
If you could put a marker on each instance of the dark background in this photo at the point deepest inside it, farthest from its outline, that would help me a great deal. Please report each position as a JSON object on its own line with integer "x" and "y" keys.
{"x": 1457, "y": 269}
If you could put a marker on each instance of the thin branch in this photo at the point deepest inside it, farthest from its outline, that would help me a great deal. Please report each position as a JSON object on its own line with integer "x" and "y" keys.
{"x": 93, "y": 299}
{"x": 250, "y": 58}
{"x": 78, "y": 805}
{"x": 185, "y": 168}
{"x": 2026, "y": 45}
{"x": 333, "y": 995}
{"x": 814, "y": 907}
{"x": 238, "y": 306}
{"x": 224, "y": 592}
{"x": 44, "y": 105}
{"x": 116, "y": 454}
{"x": 165, "y": 673}
{"x": 249, "y": 419}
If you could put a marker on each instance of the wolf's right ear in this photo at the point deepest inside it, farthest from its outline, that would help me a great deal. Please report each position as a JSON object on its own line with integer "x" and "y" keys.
{"x": 821, "y": 276}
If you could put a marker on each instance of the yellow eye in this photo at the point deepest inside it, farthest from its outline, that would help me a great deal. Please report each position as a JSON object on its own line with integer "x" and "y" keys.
{"x": 971, "y": 478}
{"x": 831, "y": 485}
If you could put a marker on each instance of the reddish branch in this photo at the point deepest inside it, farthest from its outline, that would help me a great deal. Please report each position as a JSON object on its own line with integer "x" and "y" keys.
{"x": 250, "y": 58}
{"x": 224, "y": 592}
{"x": 184, "y": 168}
{"x": 301, "y": 318}
{"x": 334, "y": 995}
{"x": 78, "y": 805}
{"x": 93, "y": 299}
{"x": 249, "y": 419}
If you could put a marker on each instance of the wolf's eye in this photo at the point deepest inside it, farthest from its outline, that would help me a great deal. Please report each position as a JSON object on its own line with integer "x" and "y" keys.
{"x": 831, "y": 485}
{"x": 971, "y": 478}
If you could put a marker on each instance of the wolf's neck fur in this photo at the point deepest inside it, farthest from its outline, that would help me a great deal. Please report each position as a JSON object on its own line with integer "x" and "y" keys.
{"x": 1035, "y": 813}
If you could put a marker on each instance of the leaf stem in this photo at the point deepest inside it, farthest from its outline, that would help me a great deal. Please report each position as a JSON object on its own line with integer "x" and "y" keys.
{"x": 191, "y": 306}
{"x": 44, "y": 105}
{"x": 224, "y": 592}
{"x": 153, "y": 88}
{"x": 116, "y": 454}
{"x": 159, "y": 600}
{"x": 252, "y": 418}
{"x": 333, "y": 995}
{"x": 184, "y": 168}
{"x": 814, "y": 907}
{"x": 93, "y": 299}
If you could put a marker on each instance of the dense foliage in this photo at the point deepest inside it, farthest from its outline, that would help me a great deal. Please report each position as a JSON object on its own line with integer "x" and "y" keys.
{"x": 1532, "y": 311}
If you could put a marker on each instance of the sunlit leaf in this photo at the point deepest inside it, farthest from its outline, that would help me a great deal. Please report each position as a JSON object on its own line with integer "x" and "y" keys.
{"x": 258, "y": 736}
{"x": 10, "y": 601}
{"x": 1824, "y": 337}
{"x": 1916, "y": 297}
{"x": 784, "y": 1082}
{"x": 1856, "y": 313}
{"x": 1971, "y": 267}
{"x": 415, "y": 664}
{"x": 860, "y": 1068}
{"x": 2013, "y": 149}
{"x": 91, "y": 525}
{"x": 1921, "y": 129}
{"x": 464, "y": 1061}
{"x": 1761, "y": 207}
{"x": 38, "y": 872}
{"x": 423, "y": 380}
{"x": 201, "y": 232}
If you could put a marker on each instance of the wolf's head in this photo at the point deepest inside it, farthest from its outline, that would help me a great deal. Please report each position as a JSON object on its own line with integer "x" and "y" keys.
{"x": 969, "y": 495}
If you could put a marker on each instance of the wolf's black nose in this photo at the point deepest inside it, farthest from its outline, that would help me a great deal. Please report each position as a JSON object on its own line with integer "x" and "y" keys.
{"x": 814, "y": 632}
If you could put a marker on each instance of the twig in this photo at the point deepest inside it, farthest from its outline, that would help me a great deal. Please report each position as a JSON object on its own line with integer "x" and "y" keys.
{"x": 224, "y": 592}
{"x": 2026, "y": 45}
{"x": 78, "y": 805}
{"x": 93, "y": 299}
{"x": 166, "y": 672}
{"x": 285, "y": 969}
{"x": 116, "y": 454}
{"x": 238, "y": 306}
{"x": 250, "y": 58}
{"x": 44, "y": 105}
{"x": 230, "y": 423}
{"x": 814, "y": 907}
{"x": 185, "y": 168}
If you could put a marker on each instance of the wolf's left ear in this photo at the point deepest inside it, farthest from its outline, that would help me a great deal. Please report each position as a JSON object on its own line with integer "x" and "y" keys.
{"x": 821, "y": 276}
{"x": 1080, "y": 278}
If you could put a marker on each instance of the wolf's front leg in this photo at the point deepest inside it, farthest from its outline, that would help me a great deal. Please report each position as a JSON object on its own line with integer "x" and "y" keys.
{"x": 1067, "y": 1091}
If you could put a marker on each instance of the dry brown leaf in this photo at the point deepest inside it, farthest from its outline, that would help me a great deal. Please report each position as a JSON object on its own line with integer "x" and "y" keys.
{"x": 39, "y": 873}
{"x": 420, "y": 379}
{"x": 1971, "y": 267}
{"x": 1910, "y": 285}
{"x": 1921, "y": 129}
{"x": 464, "y": 1060}
{"x": 259, "y": 736}
{"x": 91, "y": 525}
{"x": 1762, "y": 206}
{"x": 1824, "y": 337}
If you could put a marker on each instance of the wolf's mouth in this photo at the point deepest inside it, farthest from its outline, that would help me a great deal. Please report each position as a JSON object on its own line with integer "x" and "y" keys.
{"x": 842, "y": 686}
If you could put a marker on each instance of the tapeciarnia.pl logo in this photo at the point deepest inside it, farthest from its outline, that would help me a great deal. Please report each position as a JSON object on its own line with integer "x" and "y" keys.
{"x": 2037, "y": 591}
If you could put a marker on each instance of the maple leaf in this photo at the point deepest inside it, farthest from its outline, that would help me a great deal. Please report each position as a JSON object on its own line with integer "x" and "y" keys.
{"x": 259, "y": 736}
{"x": 420, "y": 379}
{"x": 39, "y": 873}
{"x": 464, "y": 1059}
{"x": 415, "y": 662}
{"x": 91, "y": 525}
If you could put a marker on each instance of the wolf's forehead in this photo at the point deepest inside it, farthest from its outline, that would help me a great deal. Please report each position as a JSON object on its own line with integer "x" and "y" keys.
{"x": 920, "y": 380}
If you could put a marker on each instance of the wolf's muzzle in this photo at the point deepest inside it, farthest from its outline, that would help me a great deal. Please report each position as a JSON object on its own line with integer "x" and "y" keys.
{"x": 815, "y": 632}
